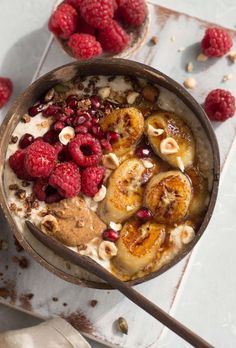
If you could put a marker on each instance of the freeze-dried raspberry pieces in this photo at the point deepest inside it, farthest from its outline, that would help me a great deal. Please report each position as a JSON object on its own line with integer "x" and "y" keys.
{"x": 113, "y": 38}
{"x": 132, "y": 12}
{"x": 91, "y": 180}
{"x": 84, "y": 46}
{"x": 40, "y": 159}
{"x": 97, "y": 13}
{"x": 5, "y": 90}
{"x": 17, "y": 164}
{"x": 63, "y": 21}
{"x": 85, "y": 150}
{"x": 66, "y": 179}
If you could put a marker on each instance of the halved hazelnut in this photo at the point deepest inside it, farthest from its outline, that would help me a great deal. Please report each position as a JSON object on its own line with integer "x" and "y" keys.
{"x": 104, "y": 92}
{"x": 107, "y": 250}
{"x": 154, "y": 132}
{"x": 49, "y": 224}
{"x": 111, "y": 161}
{"x": 131, "y": 97}
{"x": 169, "y": 146}
{"x": 187, "y": 234}
{"x": 101, "y": 194}
{"x": 150, "y": 93}
{"x": 66, "y": 135}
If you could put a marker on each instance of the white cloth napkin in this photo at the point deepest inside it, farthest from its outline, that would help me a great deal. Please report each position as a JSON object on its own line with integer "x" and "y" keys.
{"x": 55, "y": 333}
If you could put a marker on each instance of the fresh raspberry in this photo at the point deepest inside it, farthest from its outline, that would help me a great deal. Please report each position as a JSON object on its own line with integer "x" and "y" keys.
{"x": 97, "y": 13}
{"x": 91, "y": 180}
{"x": 113, "y": 38}
{"x": 133, "y": 12}
{"x": 85, "y": 150}
{"x": 74, "y": 3}
{"x": 44, "y": 192}
{"x": 40, "y": 159}
{"x": 63, "y": 21}
{"x": 16, "y": 162}
{"x": 115, "y": 5}
{"x": 84, "y": 46}
{"x": 66, "y": 179}
{"x": 219, "y": 105}
{"x": 5, "y": 90}
{"x": 216, "y": 42}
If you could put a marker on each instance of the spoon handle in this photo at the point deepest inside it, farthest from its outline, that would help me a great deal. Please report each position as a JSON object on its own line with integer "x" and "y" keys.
{"x": 93, "y": 267}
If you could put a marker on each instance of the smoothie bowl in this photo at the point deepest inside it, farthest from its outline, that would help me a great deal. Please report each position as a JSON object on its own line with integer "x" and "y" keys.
{"x": 116, "y": 161}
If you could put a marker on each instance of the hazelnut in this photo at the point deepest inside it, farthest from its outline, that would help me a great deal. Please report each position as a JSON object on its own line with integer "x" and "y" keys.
{"x": 150, "y": 93}
{"x": 190, "y": 83}
{"x": 169, "y": 146}
{"x": 104, "y": 92}
{"x": 189, "y": 67}
{"x": 107, "y": 250}
{"x": 101, "y": 194}
{"x": 115, "y": 227}
{"x": 227, "y": 77}
{"x": 147, "y": 164}
{"x": 111, "y": 161}
{"x": 49, "y": 224}
{"x": 187, "y": 234}
{"x": 131, "y": 97}
{"x": 66, "y": 135}
{"x": 202, "y": 57}
{"x": 155, "y": 132}
{"x": 232, "y": 56}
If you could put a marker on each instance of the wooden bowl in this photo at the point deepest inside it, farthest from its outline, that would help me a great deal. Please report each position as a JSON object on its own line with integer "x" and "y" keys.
{"x": 114, "y": 66}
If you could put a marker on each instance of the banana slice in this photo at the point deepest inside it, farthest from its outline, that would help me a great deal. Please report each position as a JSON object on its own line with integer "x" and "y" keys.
{"x": 138, "y": 246}
{"x": 124, "y": 191}
{"x": 176, "y": 144}
{"x": 200, "y": 191}
{"x": 129, "y": 123}
{"x": 168, "y": 196}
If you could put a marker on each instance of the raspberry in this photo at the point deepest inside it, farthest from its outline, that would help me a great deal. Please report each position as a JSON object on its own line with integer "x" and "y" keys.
{"x": 97, "y": 13}
{"x": 216, "y": 42}
{"x": 40, "y": 159}
{"x": 16, "y": 162}
{"x": 91, "y": 179}
{"x": 219, "y": 105}
{"x": 63, "y": 21}
{"x": 133, "y": 12}
{"x": 113, "y": 38}
{"x": 85, "y": 150}
{"x": 66, "y": 179}
{"x": 84, "y": 46}
{"x": 74, "y": 3}
{"x": 5, "y": 90}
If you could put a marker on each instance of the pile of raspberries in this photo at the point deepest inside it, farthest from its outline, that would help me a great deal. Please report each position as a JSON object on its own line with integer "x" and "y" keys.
{"x": 93, "y": 26}
{"x": 63, "y": 171}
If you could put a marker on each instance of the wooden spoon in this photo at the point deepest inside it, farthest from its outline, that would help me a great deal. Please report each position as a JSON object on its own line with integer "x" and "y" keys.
{"x": 93, "y": 267}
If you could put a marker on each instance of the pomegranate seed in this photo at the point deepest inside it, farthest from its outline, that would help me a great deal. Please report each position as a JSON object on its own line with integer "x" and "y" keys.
{"x": 85, "y": 114}
{"x": 87, "y": 124}
{"x": 79, "y": 120}
{"x": 50, "y": 137}
{"x": 81, "y": 129}
{"x": 68, "y": 111}
{"x": 35, "y": 110}
{"x": 113, "y": 136}
{"x": 97, "y": 131}
{"x": 110, "y": 235}
{"x": 26, "y": 140}
{"x": 51, "y": 110}
{"x": 69, "y": 121}
{"x": 60, "y": 117}
{"x": 144, "y": 214}
{"x": 94, "y": 121}
{"x": 58, "y": 126}
{"x": 142, "y": 152}
{"x": 72, "y": 101}
{"x": 95, "y": 102}
{"x": 106, "y": 145}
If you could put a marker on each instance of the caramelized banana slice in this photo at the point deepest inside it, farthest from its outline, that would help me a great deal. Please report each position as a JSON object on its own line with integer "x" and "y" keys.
{"x": 171, "y": 139}
{"x": 125, "y": 190}
{"x": 138, "y": 246}
{"x": 200, "y": 195}
{"x": 129, "y": 124}
{"x": 168, "y": 196}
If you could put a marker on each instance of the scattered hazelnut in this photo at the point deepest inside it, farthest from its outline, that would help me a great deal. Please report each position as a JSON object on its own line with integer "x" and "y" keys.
{"x": 189, "y": 67}
{"x": 227, "y": 77}
{"x": 190, "y": 83}
{"x": 202, "y": 57}
{"x": 26, "y": 118}
{"x": 169, "y": 146}
{"x": 232, "y": 56}
{"x": 131, "y": 97}
{"x": 122, "y": 325}
{"x": 111, "y": 161}
{"x": 154, "y": 40}
{"x": 107, "y": 250}
{"x": 150, "y": 93}
{"x": 154, "y": 132}
{"x": 66, "y": 135}
{"x": 101, "y": 194}
{"x": 104, "y": 92}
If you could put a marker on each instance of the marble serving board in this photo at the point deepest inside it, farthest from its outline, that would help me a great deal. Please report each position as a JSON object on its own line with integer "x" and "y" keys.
{"x": 25, "y": 285}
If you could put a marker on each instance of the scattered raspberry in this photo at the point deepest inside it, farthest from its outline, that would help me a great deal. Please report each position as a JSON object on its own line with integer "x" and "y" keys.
{"x": 85, "y": 150}
{"x": 84, "y": 46}
{"x": 216, "y": 42}
{"x": 219, "y": 105}
{"x": 113, "y": 38}
{"x": 40, "y": 159}
{"x": 63, "y": 21}
{"x": 91, "y": 180}
{"x": 5, "y": 90}
{"x": 133, "y": 12}
{"x": 74, "y": 3}
{"x": 97, "y": 13}
{"x": 16, "y": 162}
{"x": 66, "y": 179}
